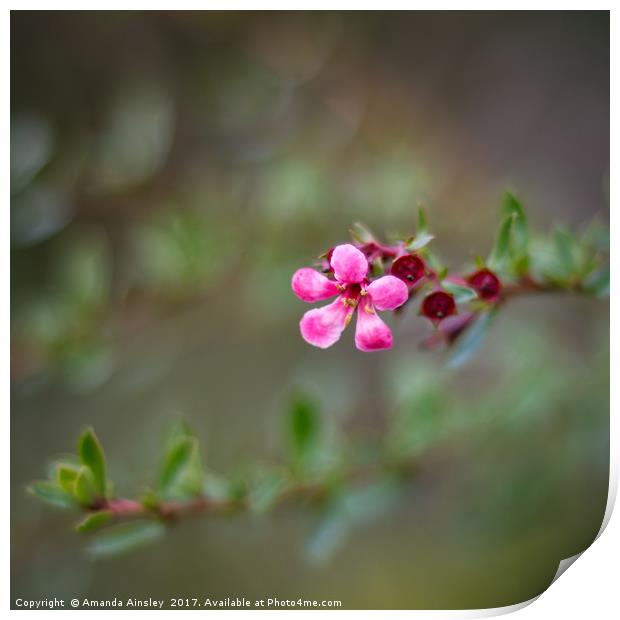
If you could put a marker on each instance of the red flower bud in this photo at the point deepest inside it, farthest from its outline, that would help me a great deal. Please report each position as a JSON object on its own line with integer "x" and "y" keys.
{"x": 369, "y": 250}
{"x": 438, "y": 305}
{"x": 409, "y": 268}
{"x": 486, "y": 284}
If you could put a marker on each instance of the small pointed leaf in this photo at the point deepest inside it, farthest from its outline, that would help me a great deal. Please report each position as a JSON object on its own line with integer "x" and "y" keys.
{"x": 419, "y": 241}
{"x": 422, "y": 221}
{"x": 597, "y": 283}
{"x": 126, "y": 537}
{"x": 304, "y": 429}
{"x": 462, "y": 294}
{"x": 176, "y": 461}
{"x": 52, "y": 494}
{"x": 66, "y": 475}
{"x": 500, "y": 250}
{"x": 94, "y": 521}
{"x": 361, "y": 234}
{"x": 330, "y": 535}
{"x": 266, "y": 490}
{"x": 469, "y": 342}
{"x": 565, "y": 245}
{"x": 91, "y": 455}
{"x": 84, "y": 486}
{"x": 521, "y": 236}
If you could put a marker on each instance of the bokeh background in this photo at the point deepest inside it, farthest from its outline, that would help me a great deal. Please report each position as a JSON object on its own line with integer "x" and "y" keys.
{"x": 170, "y": 170}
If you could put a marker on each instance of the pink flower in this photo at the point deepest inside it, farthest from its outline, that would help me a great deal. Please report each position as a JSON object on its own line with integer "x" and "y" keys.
{"x": 322, "y": 327}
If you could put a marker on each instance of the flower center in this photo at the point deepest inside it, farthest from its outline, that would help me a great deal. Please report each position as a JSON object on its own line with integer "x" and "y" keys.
{"x": 351, "y": 294}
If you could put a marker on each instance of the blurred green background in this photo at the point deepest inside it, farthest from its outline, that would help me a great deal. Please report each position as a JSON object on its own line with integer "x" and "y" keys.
{"x": 169, "y": 172}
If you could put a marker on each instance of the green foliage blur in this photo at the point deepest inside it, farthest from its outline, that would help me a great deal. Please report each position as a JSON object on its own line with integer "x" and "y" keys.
{"x": 170, "y": 171}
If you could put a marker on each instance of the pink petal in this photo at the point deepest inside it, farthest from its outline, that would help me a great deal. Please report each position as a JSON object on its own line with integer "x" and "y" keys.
{"x": 371, "y": 333}
{"x": 349, "y": 264}
{"x": 388, "y": 292}
{"x": 322, "y": 327}
{"x": 310, "y": 285}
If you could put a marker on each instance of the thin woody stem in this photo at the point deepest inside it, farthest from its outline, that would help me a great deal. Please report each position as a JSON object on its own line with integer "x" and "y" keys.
{"x": 175, "y": 510}
{"x": 123, "y": 508}
{"x": 527, "y": 286}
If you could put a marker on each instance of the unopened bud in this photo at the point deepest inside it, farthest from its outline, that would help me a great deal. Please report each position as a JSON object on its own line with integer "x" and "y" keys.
{"x": 486, "y": 284}
{"x": 438, "y": 305}
{"x": 409, "y": 268}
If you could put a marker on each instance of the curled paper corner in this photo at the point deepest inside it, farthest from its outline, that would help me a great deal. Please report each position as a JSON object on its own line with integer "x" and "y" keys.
{"x": 492, "y": 612}
{"x": 564, "y": 565}
{"x": 612, "y": 491}
{"x": 508, "y": 609}
{"x": 611, "y": 500}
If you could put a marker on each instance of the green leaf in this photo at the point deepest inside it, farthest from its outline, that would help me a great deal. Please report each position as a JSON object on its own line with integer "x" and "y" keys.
{"x": 304, "y": 429}
{"x": 176, "y": 461}
{"x": 66, "y": 475}
{"x": 367, "y": 503}
{"x": 52, "y": 494}
{"x": 91, "y": 454}
{"x": 462, "y": 294}
{"x": 500, "y": 251}
{"x": 330, "y": 535}
{"x": 84, "y": 487}
{"x": 433, "y": 261}
{"x": 596, "y": 237}
{"x": 361, "y": 234}
{"x": 126, "y": 537}
{"x": 237, "y": 488}
{"x": 422, "y": 221}
{"x": 419, "y": 241}
{"x": 217, "y": 487}
{"x": 521, "y": 236}
{"x": 149, "y": 499}
{"x": 377, "y": 267}
{"x": 94, "y": 521}
{"x": 266, "y": 490}
{"x": 597, "y": 283}
{"x": 178, "y": 431}
{"x": 566, "y": 250}
{"x": 65, "y": 460}
{"x": 469, "y": 342}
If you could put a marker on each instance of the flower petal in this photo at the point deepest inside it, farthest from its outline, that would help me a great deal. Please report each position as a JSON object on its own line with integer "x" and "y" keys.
{"x": 322, "y": 327}
{"x": 349, "y": 264}
{"x": 388, "y": 292}
{"x": 371, "y": 333}
{"x": 310, "y": 285}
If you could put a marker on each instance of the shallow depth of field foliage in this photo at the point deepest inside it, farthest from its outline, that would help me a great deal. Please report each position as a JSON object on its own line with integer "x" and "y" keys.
{"x": 169, "y": 172}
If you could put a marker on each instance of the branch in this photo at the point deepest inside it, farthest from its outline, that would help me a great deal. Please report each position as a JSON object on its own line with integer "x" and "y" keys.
{"x": 460, "y": 307}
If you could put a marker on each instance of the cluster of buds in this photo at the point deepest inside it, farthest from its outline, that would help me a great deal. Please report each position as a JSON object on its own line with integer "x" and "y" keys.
{"x": 367, "y": 276}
